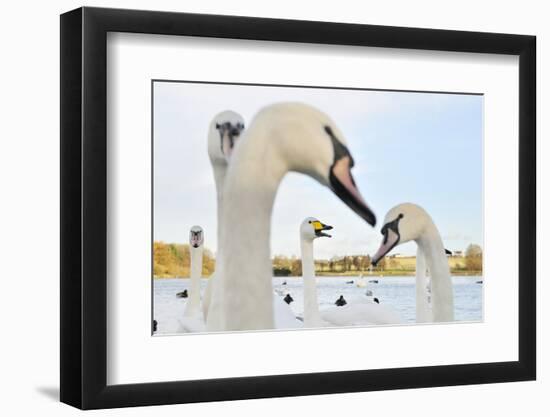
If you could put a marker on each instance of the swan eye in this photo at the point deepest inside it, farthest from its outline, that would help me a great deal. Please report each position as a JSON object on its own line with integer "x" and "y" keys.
{"x": 393, "y": 226}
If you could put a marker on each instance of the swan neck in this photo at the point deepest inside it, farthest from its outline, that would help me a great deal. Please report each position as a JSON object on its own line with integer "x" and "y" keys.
{"x": 423, "y": 314}
{"x": 244, "y": 286}
{"x": 442, "y": 287}
{"x": 220, "y": 172}
{"x": 312, "y": 317}
{"x": 193, "y": 303}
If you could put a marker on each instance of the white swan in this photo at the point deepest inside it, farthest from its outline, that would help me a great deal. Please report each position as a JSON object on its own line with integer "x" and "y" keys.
{"x": 356, "y": 312}
{"x": 361, "y": 282}
{"x": 193, "y": 320}
{"x": 311, "y": 229}
{"x": 196, "y": 249}
{"x": 281, "y": 138}
{"x": 407, "y": 222}
{"x": 223, "y": 133}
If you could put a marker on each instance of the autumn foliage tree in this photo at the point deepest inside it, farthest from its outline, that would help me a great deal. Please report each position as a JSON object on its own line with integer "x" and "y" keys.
{"x": 172, "y": 260}
{"x": 473, "y": 258}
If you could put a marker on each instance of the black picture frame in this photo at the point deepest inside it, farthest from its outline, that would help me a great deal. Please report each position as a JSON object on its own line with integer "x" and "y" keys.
{"x": 84, "y": 207}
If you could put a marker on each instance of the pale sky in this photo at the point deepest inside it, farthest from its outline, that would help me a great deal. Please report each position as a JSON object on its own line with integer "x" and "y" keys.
{"x": 422, "y": 148}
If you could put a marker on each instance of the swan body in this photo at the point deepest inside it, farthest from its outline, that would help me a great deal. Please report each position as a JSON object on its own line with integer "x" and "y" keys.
{"x": 193, "y": 324}
{"x": 365, "y": 313}
{"x": 406, "y": 222}
{"x": 361, "y": 282}
{"x": 281, "y": 293}
{"x": 284, "y": 316}
{"x": 360, "y": 312}
{"x": 282, "y": 137}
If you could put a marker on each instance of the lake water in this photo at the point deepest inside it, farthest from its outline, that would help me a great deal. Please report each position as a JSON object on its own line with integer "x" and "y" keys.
{"x": 397, "y": 292}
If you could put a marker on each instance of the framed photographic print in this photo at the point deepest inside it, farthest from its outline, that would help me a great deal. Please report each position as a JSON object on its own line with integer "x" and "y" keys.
{"x": 256, "y": 208}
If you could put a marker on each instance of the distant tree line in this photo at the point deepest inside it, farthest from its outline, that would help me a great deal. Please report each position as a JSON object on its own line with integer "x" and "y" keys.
{"x": 292, "y": 266}
{"x": 172, "y": 260}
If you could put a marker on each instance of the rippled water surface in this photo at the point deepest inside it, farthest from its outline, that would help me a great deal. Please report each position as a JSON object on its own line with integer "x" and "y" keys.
{"x": 398, "y": 292}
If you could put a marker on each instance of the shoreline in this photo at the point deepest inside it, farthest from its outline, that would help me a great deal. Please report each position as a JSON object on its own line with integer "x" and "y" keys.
{"x": 392, "y": 274}
{"x": 366, "y": 275}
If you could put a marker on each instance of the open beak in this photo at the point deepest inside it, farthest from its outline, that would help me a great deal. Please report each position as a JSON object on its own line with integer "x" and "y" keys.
{"x": 320, "y": 228}
{"x": 391, "y": 239}
{"x": 344, "y": 187}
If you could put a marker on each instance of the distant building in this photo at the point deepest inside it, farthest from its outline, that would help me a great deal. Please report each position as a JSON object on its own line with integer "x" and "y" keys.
{"x": 458, "y": 253}
{"x": 399, "y": 255}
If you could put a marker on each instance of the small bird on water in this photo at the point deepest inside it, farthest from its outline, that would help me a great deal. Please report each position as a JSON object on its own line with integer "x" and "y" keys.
{"x": 182, "y": 294}
{"x": 288, "y": 299}
{"x": 341, "y": 301}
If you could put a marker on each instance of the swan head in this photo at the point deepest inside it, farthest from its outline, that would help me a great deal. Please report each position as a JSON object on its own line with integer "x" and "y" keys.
{"x": 196, "y": 237}
{"x": 341, "y": 181}
{"x": 224, "y": 131}
{"x": 313, "y": 145}
{"x": 403, "y": 223}
{"x": 311, "y": 229}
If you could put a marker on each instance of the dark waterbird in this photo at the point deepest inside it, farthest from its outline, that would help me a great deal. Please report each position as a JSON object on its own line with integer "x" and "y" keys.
{"x": 288, "y": 299}
{"x": 341, "y": 301}
{"x": 182, "y": 294}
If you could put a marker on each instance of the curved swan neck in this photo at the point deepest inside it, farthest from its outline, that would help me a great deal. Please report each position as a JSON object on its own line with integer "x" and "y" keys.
{"x": 442, "y": 287}
{"x": 244, "y": 286}
{"x": 193, "y": 304}
{"x": 312, "y": 318}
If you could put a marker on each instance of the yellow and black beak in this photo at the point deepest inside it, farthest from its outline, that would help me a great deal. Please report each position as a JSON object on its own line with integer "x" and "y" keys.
{"x": 320, "y": 228}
